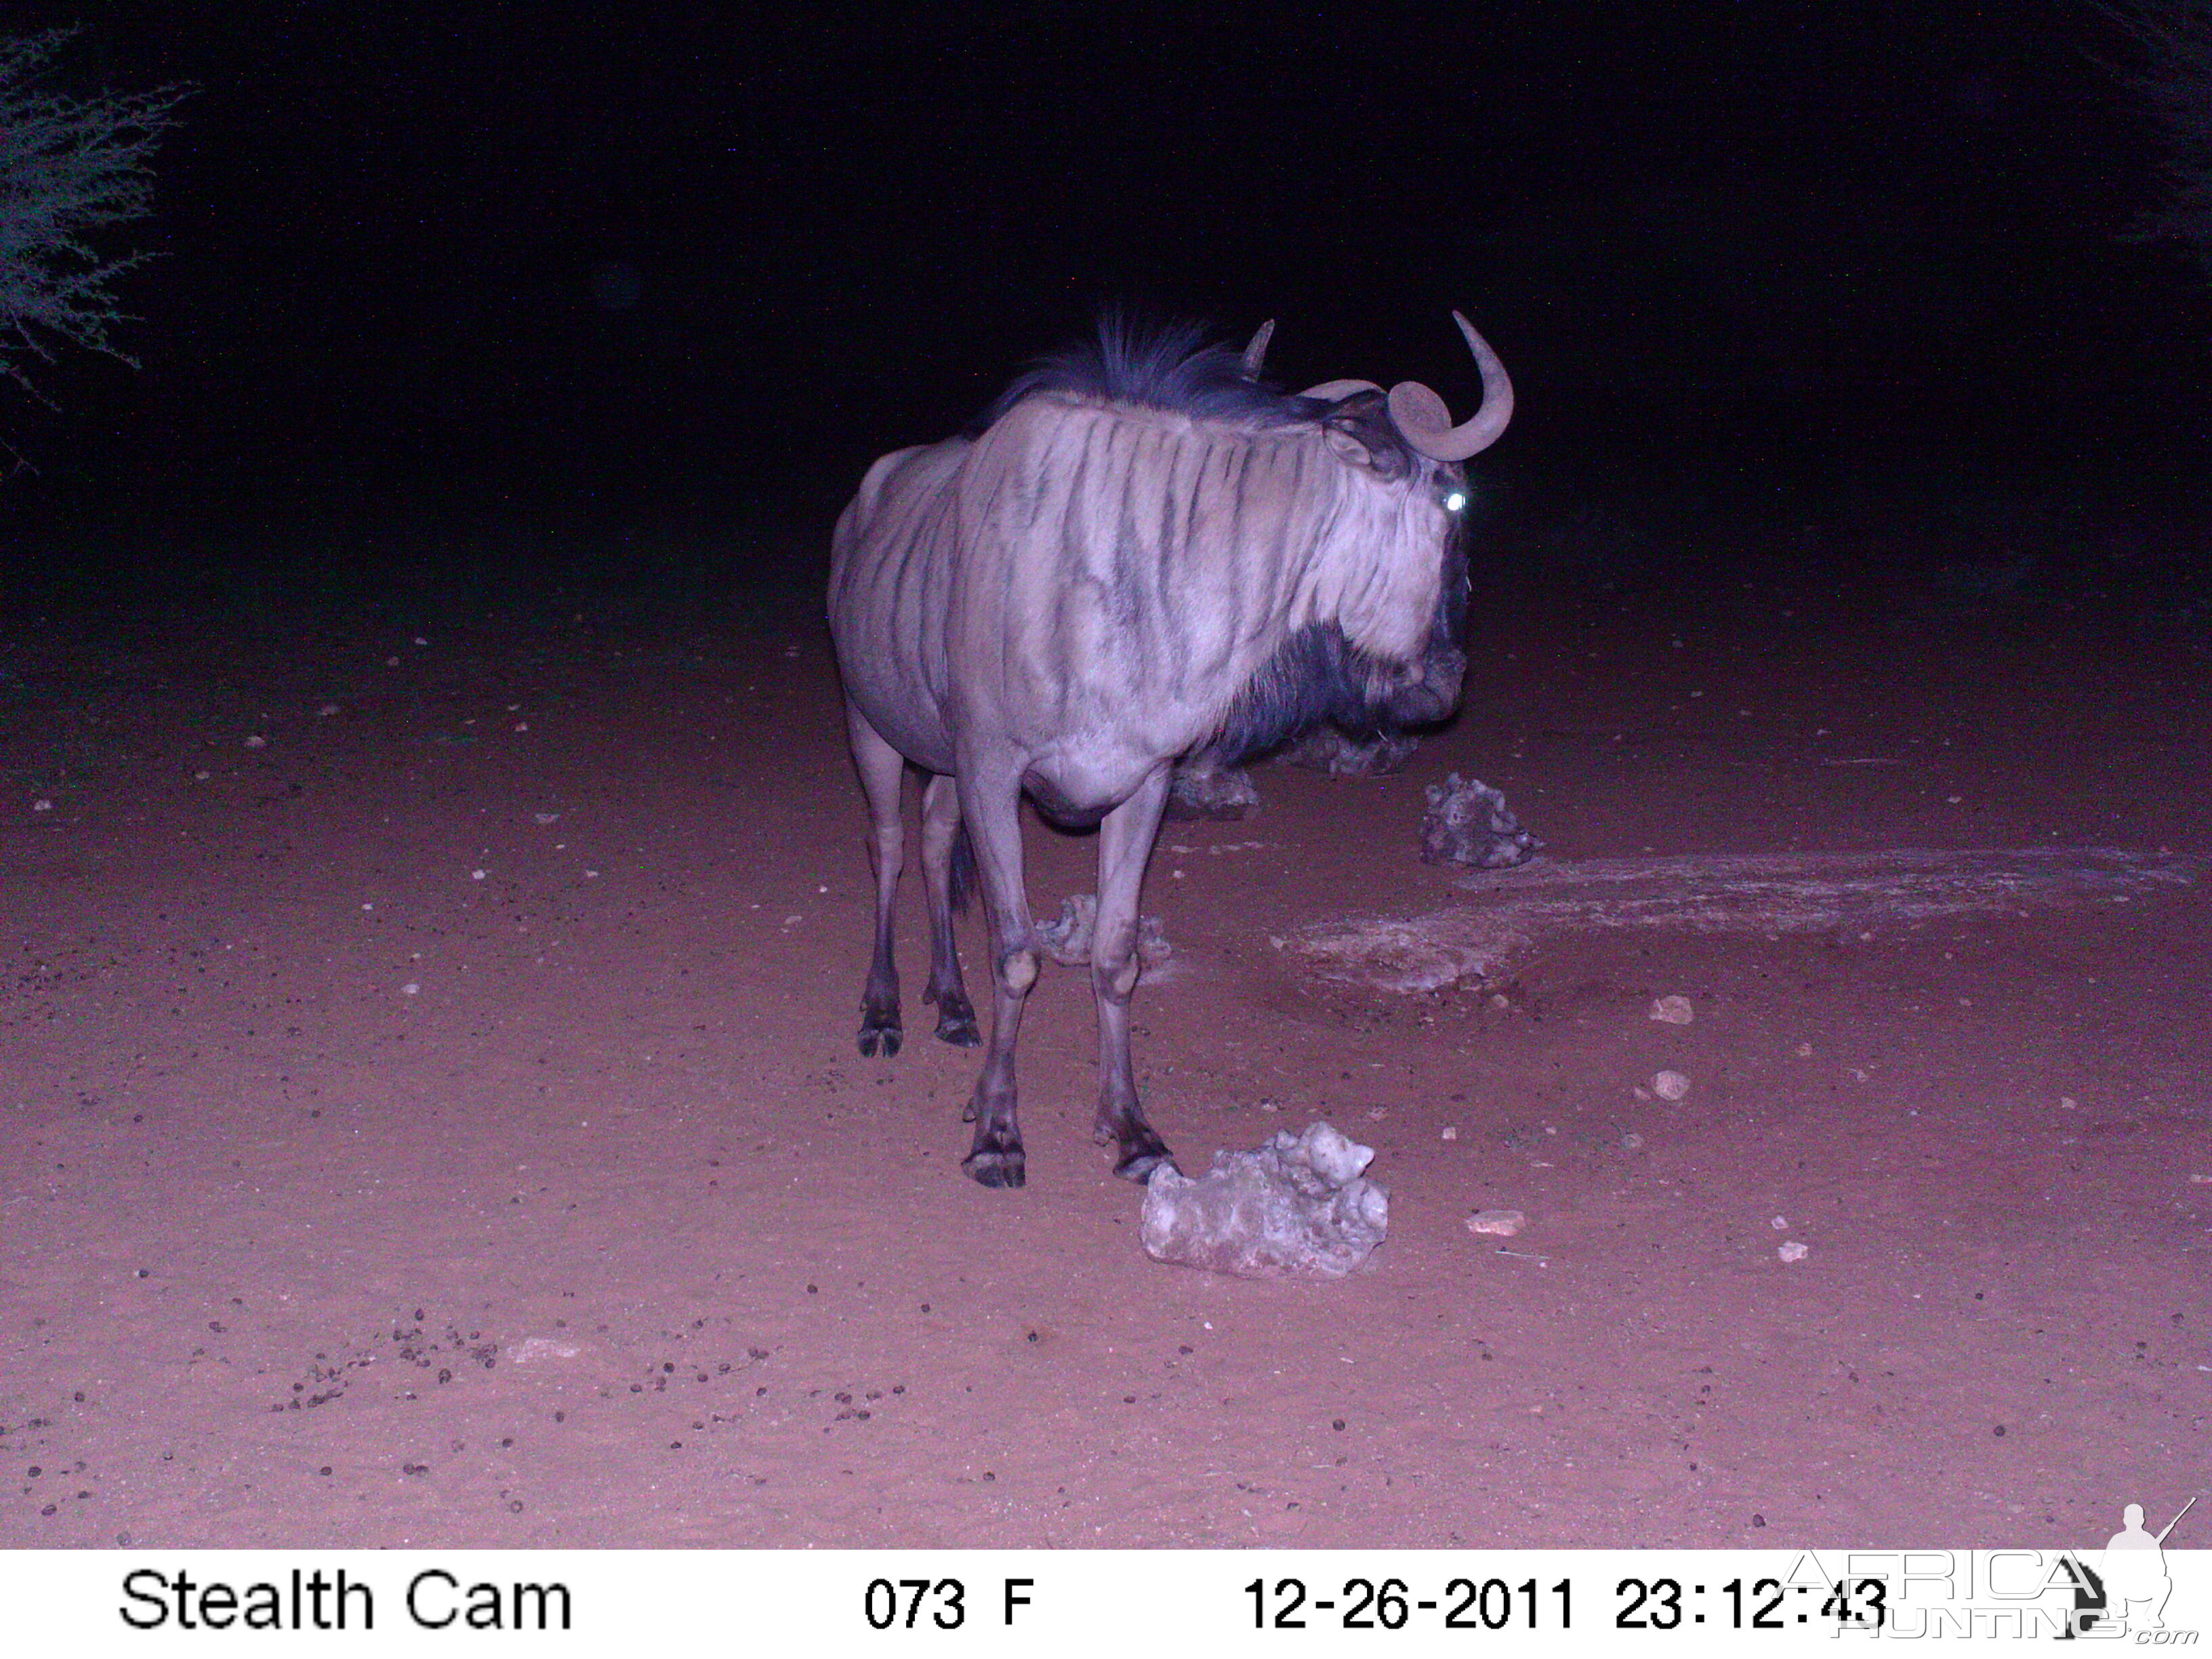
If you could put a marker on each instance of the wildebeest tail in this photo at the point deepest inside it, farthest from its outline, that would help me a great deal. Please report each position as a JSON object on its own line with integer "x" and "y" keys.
{"x": 961, "y": 879}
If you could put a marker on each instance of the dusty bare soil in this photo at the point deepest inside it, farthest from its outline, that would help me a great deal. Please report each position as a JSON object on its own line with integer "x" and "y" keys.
{"x": 430, "y": 1114}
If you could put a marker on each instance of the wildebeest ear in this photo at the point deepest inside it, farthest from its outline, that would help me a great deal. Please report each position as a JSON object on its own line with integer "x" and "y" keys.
{"x": 1359, "y": 430}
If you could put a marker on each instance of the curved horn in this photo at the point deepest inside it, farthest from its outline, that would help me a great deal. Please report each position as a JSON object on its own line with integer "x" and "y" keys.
{"x": 1256, "y": 352}
{"x": 1425, "y": 422}
{"x": 1330, "y": 391}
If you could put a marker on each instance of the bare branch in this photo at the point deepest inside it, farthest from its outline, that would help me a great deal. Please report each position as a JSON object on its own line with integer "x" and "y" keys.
{"x": 68, "y": 166}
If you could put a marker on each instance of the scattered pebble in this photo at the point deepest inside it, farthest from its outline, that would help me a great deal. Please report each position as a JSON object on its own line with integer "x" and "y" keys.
{"x": 257, "y": 741}
{"x": 476, "y": 875}
{"x": 327, "y": 710}
{"x": 48, "y": 806}
{"x": 1793, "y": 1251}
{"x": 1804, "y": 1051}
{"x": 1497, "y": 1223}
{"x": 1631, "y": 1142}
{"x": 409, "y": 990}
{"x": 1672, "y": 1011}
{"x": 1670, "y": 1086}
{"x": 2068, "y": 1103}
{"x": 545, "y": 817}
{"x": 1780, "y": 1223}
{"x": 1451, "y": 1133}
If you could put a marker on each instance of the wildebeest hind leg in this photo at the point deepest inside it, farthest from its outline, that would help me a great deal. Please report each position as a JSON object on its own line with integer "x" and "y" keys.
{"x": 1125, "y": 841}
{"x": 882, "y": 770}
{"x": 941, "y": 831}
{"x": 990, "y": 802}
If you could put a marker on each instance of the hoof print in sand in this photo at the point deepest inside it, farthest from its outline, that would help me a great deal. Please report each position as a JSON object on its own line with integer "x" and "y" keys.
{"x": 1296, "y": 1206}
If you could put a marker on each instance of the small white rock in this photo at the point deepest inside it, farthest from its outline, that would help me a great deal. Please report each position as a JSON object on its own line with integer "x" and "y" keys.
{"x": 1793, "y": 1251}
{"x": 476, "y": 875}
{"x": 545, "y": 817}
{"x": 1451, "y": 1131}
{"x": 2068, "y": 1103}
{"x": 409, "y": 990}
{"x": 1780, "y": 1223}
{"x": 1631, "y": 1142}
{"x": 1669, "y": 1085}
{"x": 1497, "y": 1223}
{"x": 257, "y": 741}
{"x": 1804, "y": 1051}
{"x": 327, "y": 710}
{"x": 533, "y": 1349}
{"x": 48, "y": 806}
{"x": 1673, "y": 1009}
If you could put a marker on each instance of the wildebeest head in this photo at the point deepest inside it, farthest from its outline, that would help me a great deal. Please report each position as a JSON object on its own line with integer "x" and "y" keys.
{"x": 1402, "y": 450}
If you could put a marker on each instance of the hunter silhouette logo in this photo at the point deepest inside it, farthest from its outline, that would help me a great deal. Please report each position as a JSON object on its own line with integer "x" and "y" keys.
{"x": 2135, "y": 1570}
{"x": 2130, "y": 1586}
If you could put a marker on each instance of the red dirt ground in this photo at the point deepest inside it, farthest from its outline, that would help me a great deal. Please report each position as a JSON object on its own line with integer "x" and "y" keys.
{"x": 438, "y": 1123}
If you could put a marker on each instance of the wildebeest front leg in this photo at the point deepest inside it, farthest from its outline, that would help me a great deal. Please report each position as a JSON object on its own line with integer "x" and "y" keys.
{"x": 1125, "y": 841}
{"x": 940, "y": 828}
{"x": 882, "y": 770}
{"x": 990, "y": 803}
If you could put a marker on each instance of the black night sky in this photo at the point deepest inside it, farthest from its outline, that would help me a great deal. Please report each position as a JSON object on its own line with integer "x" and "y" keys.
{"x": 587, "y": 260}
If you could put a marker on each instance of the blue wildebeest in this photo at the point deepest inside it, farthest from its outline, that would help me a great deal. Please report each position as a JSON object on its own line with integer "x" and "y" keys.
{"x": 1141, "y": 551}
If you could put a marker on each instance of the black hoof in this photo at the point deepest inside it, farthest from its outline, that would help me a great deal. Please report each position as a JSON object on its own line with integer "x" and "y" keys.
{"x": 955, "y": 1018}
{"x": 996, "y": 1167}
{"x": 885, "y": 1036}
{"x": 1142, "y": 1151}
{"x": 1138, "y": 1166}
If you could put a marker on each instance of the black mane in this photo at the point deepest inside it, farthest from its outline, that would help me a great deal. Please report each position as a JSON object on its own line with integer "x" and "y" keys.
{"x": 1170, "y": 366}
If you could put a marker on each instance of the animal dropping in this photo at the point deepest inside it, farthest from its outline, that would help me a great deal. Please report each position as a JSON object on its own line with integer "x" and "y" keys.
{"x": 1141, "y": 553}
{"x": 1203, "y": 786}
{"x": 1298, "y": 1205}
{"x": 1469, "y": 822}
{"x": 1068, "y": 938}
{"x": 1329, "y": 748}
